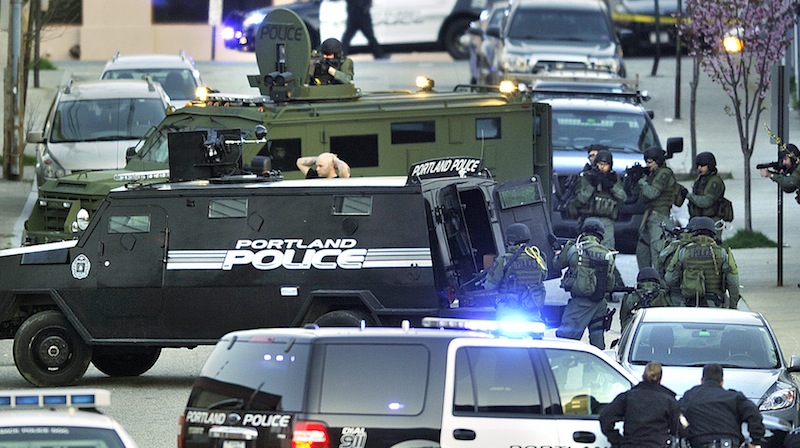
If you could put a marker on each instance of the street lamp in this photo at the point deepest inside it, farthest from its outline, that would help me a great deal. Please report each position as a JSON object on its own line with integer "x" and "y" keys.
{"x": 732, "y": 42}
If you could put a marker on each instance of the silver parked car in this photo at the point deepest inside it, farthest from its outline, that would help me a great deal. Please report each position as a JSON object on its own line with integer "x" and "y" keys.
{"x": 683, "y": 340}
{"x": 176, "y": 73}
{"x": 91, "y": 125}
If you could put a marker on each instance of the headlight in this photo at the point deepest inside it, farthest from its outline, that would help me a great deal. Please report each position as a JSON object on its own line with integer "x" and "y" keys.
{"x": 608, "y": 64}
{"x": 253, "y": 19}
{"x": 515, "y": 63}
{"x": 780, "y": 399}
{"x": 50, "y": 168}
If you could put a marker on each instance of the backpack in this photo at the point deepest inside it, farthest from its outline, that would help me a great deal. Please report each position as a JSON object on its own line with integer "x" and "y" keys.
{"x": 725, "y": 210}
{"x": 592, "y": 273}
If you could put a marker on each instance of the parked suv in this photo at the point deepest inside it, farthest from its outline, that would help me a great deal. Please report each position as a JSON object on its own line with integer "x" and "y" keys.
{"x": 176, "y": 73}
{"x": 391, "y": 387}
{"x": 539, "y": 36}
{"x": 91, "y": 125}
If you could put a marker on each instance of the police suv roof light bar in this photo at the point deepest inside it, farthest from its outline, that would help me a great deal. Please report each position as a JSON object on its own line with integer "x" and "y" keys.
{"x": 52, "y": 398}
{"x": 504, "y": 327}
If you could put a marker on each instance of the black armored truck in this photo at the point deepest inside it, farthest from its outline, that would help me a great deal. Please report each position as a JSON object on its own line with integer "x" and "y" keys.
{"x": 179, "y": 264}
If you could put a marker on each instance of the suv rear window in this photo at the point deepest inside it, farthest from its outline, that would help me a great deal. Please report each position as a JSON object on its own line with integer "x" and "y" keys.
{"x": 253, "y": 376}
{"x": 404, "y": 367}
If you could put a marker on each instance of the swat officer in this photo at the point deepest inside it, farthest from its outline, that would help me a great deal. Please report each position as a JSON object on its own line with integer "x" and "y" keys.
{"x": 787, "y": 176}
{"x": 332, "y": 67}
{"x": 518, "y": 276}
{"x": 702, "y": 270}
{"x": 715, "y": 414}
{"x": 600, "y": 194}
{"x": 708, "y": 190}
{"x": 589, "y": 277}
{"x": 650, "y": 413}
{"x": 649, "y": 292}
{"x": 658, "y": 191}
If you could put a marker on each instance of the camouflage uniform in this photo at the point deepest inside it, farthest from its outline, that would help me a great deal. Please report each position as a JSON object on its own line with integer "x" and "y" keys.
{"x": 658, "y": 192}
{"x": 707, "y": 191}
{"x": 704, "y": 271}
{"x": 582, "y": 311}
{"x": 600, "y": 195}
{"x": 649, "y": 292}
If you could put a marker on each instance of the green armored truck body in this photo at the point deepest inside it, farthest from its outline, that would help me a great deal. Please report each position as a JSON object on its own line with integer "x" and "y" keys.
{"x": 380, "y": 133}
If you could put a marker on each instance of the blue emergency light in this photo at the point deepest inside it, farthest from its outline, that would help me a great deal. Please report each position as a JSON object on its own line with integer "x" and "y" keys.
{"x": 50, "y": 398}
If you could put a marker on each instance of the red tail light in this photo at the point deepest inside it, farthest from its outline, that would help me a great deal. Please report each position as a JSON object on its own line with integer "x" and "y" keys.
{"x": 310, "y": 435}
{"x": 181, "y": 422}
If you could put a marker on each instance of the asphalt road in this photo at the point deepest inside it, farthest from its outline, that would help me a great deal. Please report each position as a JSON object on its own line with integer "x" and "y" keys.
{"x": 149, "y": 406}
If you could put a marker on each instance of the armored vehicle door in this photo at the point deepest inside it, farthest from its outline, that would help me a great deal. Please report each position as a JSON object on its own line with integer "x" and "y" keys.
{"x": 131, "y": 247}
{"x": 451, "y": 217}
{"x": 522, "y": 200}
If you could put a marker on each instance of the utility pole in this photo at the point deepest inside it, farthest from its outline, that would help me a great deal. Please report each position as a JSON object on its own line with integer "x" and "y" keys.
{"x": 11, "y": 162}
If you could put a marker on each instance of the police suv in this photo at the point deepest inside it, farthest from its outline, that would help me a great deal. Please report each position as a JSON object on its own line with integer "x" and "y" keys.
{"x": 400, "y": 387}
{"x": 180, "y": 264}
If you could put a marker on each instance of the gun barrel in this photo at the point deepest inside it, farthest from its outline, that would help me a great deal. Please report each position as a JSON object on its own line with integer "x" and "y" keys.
{"x": 770, "y": 165}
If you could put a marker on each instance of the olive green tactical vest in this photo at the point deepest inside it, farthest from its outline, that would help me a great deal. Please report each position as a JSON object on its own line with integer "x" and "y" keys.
{"x": 701, "y": 185}
{"x": 703, "y": 254}
{"x": 665, "y": 179}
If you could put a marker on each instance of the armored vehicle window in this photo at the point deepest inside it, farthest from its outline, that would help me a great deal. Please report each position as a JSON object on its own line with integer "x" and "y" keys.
{"x": 227, "y": 208}
{"x": 585, "y": 382}
{"x": 496, "y": 381}
{"x": 522, "y": 195}
{"x": 129, "y": 224}
{"x": 352, "y": 205}
{"x": 397, "y": 383}
{"x": 284, "y": 153}
{"x": 359, "y": 151}
{"x": 487, "y": 128}
{"x": 415, "y": 132}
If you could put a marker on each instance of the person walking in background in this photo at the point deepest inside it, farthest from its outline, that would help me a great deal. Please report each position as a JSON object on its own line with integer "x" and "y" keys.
{"x": 716, "y": 414}
{"x": 649, "y": 412}
{"x": 359, "y": 18}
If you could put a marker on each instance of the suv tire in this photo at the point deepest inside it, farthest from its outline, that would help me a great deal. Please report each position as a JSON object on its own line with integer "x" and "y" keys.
{"x": 125, "y": 361}
{"x": 344, "y": 318}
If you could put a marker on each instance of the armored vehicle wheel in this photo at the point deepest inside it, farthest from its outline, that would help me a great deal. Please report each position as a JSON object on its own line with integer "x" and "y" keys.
{"x": 49, "y": 352}
{"x": 125, "y": 361}
{"x": 344, "y": 318}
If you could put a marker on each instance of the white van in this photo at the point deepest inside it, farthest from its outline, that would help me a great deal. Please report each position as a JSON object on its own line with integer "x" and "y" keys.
{"x": 442, "y": 24}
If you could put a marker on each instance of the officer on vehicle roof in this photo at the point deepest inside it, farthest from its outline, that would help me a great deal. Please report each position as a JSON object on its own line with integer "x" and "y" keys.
{"x": 518, "y": 276}
{"x": 702, "y": 270}
{"x": 589, "y": 277}
{"x": 716, "y": 414}
{"x": 332, "y": 67}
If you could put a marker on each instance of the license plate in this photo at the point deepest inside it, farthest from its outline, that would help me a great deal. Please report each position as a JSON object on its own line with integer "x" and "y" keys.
{"x": 233, "y": 444}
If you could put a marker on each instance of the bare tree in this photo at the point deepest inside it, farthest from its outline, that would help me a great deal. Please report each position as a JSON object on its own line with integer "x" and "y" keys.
{"x": 761, "y": 28}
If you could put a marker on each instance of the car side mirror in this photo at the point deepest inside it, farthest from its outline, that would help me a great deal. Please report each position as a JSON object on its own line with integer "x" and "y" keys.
{"x": 129, "y": 153}
{"x": 35, "y": 137}
{"x": 794, "y": 364}
{"x": 674, "y": 146}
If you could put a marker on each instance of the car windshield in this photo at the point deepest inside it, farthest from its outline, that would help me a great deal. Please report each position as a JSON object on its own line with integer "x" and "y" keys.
{"x": 106, "y": 119}
{"x": 618, "y": 131}
{"x": 559, "y": 25}
{"x": 697, "y": 344}
{"x": 45, "y": 435}
{"x": 179, "y": 84}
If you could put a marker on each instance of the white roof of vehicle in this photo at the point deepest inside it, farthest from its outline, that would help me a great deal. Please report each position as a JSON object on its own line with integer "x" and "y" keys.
{"x": 111, "y": 88}
{"x": 156, "y": 61}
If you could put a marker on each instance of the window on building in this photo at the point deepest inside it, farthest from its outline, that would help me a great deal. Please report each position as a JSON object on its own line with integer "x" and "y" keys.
{"x": 64, "y": 12}
{"x": 180, "y": 11}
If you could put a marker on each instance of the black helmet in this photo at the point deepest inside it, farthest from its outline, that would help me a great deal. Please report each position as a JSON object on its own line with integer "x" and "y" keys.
{"x": 656, "y": 154}
{"x": 648, "y": 273}
{"x": 701, "y": 224}
{"x": 331, "y": 46}
{"x": 518, "y": 233}
{"x": 593, "y": 227}
{"x": 706, "y": 158}
{"x": 791, "y": 151}
{"x": 604, "y": 155}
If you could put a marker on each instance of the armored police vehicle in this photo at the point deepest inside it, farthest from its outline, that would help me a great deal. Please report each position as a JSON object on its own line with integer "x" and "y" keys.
{"x": 179, "y": 264}
{"x": 375, "y": 133}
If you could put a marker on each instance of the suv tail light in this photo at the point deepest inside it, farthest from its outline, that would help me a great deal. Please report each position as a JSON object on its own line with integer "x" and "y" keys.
{"x": 181, "y": 428}
{"x": 310, "y": 435}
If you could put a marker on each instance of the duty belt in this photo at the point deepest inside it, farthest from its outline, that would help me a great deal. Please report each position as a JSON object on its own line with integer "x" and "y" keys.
{"x": 722, "y": 442}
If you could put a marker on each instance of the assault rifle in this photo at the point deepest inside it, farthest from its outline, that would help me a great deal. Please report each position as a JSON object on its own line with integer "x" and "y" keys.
{"x": 774, "y": 166}
{"x": 635, "y": 172}
{"x": 570, "y": 188}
